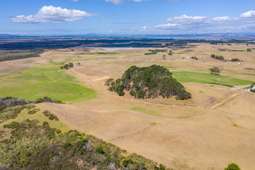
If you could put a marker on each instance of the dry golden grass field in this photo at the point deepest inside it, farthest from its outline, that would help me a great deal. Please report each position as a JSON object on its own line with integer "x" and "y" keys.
{"x": 209, "y": 131}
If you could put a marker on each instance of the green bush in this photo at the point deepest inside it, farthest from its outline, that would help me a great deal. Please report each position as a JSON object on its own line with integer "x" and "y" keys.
{"x": 148, "y": 82}
{"x": 218, "y": 57}
{"x": 215, "y": 71}
{"x": 50, "y": 115}
{"x": 232, "y": 166}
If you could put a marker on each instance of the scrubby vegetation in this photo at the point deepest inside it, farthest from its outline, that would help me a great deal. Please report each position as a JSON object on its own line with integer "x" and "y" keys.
{"x": 232, "y": 166}
{"x": 32, "y": 144}
{"x": 47, "y": 100}
{"x": 235, "y": 60}
{"x": 218, "y": 57}
{"x": 148, "y": 82}
{"x": 11, "y": 101}
{"x": 50, "y": 115}
{"x": 67, "y": 66}
{"x": 215, "y": 71}
{"x": 155, "y": 51}
{"x": 194, "y": 58}
{"x": 19, "y": 54}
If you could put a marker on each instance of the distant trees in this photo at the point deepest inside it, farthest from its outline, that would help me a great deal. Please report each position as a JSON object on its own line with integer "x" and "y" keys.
{"x": 194, "y": 58}
{"x": 249, "y": 50}
{"x": 218, "y": 57}
{"x": 215, "y": 71}
{"x": 67, "y": 66}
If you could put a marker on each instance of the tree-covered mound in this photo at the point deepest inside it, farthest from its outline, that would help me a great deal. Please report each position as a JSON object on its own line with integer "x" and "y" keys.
{"x": 148, "y": 82}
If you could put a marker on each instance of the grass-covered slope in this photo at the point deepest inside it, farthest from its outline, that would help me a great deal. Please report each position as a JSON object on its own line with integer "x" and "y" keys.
{"x": 207, "y": 78}
{"x": 31, "y": 139}
{"x": 148, "y": 82}
{"x": 39, "y": 82}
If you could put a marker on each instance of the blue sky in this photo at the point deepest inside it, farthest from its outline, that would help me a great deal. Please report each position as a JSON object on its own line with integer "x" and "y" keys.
{"x": 126, "y": 16}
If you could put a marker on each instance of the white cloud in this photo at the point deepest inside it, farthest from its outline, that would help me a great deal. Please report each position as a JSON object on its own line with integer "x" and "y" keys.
{"x": 248, "y": 14}
{"x": 52, "y": 14}
{"x": 198, "y": 24}
{"x": 220, "y": 19}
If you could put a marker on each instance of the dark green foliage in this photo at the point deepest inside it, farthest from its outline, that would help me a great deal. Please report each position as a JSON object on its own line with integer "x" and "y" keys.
{"x": 67, "y": 66}
{"x": 33, "y": 111}
{"x": 47, "y": 100}
{"x": 11, "y": 101}
{"x": 170, "y": 52}
{"x": 218, "y": 57}
{"x": 249, "y": 50}
{"x": 35, "y": 146}
{"x": 50, "y": 115}
{"x": 215, "y": 71}
{"x": 235, "y": 60}
{"x": 194, "y": 58}
{"x": 10, "y": 113}
{"x": 232, "y": 166}
{"x": 148, "y": 82}
{"x": 19, "y": 54}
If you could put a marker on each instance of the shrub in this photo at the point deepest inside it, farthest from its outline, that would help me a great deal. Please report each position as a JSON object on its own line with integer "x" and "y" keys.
{"x": 235, "y": 60}
{"x": 47, "y": 100}
{"x": 249, "y": 50}
{"x": 194, "y": 58}
{"x": 170, "y": 52}
{"x": 148, "y": 82}
{"x": 232, "y": 166}
{"x": 215, "y": 71}
{"x": 50, "y": 115}
{"x": 35, "y": 146}
{"x": 218, "y": 57}
{"x": 67, "y": 66}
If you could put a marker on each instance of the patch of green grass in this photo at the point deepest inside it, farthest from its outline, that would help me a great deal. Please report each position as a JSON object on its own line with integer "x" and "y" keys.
{"x": 145, "y": 110}
{"x": 39, "y": 82}
{"x": 207, "y": 78}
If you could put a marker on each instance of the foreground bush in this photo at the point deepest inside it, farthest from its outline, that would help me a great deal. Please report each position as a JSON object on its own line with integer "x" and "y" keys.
{"x": 35, "y": 146}
{"x": 148, "y": 82}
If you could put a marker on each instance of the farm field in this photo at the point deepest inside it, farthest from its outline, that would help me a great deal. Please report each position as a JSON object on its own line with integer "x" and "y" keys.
{"x": 39, "y": 82}
{"x": 214, "y": 128}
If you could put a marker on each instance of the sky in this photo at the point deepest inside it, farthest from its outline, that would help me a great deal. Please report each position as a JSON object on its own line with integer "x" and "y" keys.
{"x": 51, "y": 17}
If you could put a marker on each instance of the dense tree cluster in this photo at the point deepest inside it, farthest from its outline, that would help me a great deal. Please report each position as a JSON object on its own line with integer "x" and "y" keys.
{"x": 148, "y": 82}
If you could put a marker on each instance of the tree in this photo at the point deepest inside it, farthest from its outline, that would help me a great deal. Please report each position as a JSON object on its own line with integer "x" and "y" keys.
{"x": 215, "y": 71}
{"x": 232, "y": 166}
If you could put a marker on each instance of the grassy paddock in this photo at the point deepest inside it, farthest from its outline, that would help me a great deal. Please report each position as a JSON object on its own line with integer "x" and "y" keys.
{"x": 207, "y": 78}
{"x": 39, "y": 82}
